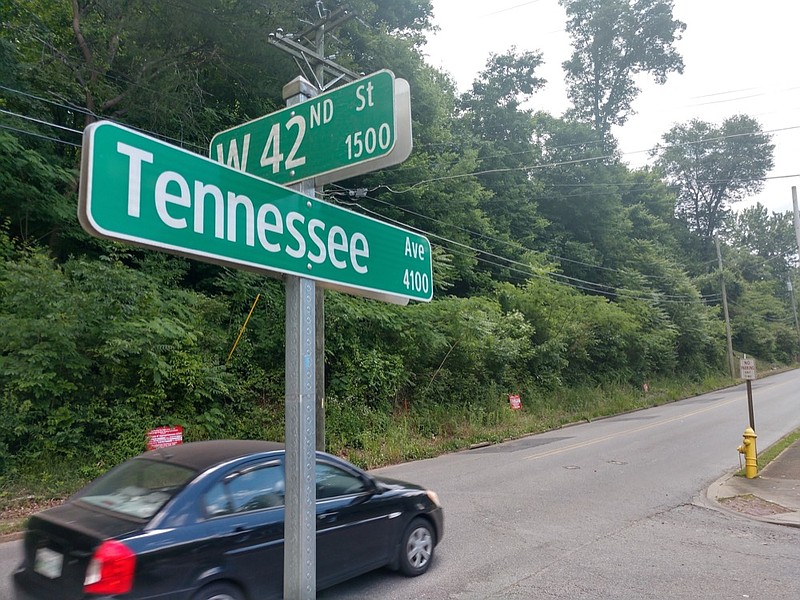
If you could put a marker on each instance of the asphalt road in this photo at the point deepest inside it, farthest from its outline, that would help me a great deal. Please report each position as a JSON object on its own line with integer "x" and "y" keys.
{"x": 612, "y": 509}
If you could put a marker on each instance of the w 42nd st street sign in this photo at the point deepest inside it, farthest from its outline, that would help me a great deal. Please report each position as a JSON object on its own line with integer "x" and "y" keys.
{"x": 352, "y": 129}
{"x": 137, "y": 189}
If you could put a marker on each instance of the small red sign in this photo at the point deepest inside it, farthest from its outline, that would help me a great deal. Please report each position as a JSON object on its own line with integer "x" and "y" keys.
{"x": 514, "y": 401}
{"x": 163, "y": 437}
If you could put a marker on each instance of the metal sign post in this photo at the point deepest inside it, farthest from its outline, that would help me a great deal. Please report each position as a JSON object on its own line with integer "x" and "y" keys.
{"x": 300, "y": 523}
{"x": 747, "y": 369}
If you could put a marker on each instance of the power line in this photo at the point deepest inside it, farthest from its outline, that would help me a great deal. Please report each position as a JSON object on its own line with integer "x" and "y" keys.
{"x": 25, "y": 132}
{"x": 513, "y": 264}
{"x": 499, "y": 241}
{"x": 39, "y": 135}
{"x": 178, "y": 142}
{"x": 630, "y": 185}
{"x": 502, "y": 10}
{"x": 40, "y": 99}
{"x": 39, "y": 121}
{"x": 580, "y": 161}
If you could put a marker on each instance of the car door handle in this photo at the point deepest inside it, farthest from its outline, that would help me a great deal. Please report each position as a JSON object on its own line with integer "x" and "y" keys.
{"x": 328, "y": 517}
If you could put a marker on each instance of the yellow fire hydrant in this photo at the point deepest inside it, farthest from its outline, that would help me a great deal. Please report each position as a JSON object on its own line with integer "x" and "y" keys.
{"x": 748, "y": 448}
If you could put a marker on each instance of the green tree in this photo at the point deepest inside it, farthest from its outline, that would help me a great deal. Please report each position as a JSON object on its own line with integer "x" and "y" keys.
{"x": 760, "y": 255}
{"x": 493, "y": 103}
{"x": 762, "y": 321}
{"x": 712, "y": 167}
{"x": 183, "y": 71}
{"x": 768, "y": 238}
{"x": 580, "y": 196}
{"x": 492, "y": 111}
{"x": 614, "y": 41}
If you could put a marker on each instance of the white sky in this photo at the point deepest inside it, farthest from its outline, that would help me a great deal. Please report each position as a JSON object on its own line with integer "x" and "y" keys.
{"x": 740, "y": 56}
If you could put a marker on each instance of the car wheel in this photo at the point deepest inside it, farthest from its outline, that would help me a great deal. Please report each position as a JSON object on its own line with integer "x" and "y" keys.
{"x": 219, "y": 591}
{"x": 416, "y": 548}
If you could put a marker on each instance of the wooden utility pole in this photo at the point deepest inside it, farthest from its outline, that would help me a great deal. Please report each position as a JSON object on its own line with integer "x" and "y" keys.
{"x": 797, "y": 235}
{"x": 796, "y": 216}
{"x": 790, "y": 287}
{"x": 725, "y": 311}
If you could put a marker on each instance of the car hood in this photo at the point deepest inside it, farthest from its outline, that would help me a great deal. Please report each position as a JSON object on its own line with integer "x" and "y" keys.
{"x": 396, "y": 484}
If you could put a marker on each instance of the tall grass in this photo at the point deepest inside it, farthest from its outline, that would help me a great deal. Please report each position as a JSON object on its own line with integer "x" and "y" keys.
{"x": 427, "y": 430}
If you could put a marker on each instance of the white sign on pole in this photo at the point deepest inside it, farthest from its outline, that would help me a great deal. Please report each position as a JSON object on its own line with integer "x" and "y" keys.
{"x": 747, "y": 368}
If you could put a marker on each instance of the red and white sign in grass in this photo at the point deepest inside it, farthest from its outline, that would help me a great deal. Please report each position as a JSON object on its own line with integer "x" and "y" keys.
{"x": 163, "y": 437}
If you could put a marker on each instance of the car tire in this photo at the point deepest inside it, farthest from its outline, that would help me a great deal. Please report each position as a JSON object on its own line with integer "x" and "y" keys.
{"x": 219, "y": 591}
{"x": 416, "y": 548}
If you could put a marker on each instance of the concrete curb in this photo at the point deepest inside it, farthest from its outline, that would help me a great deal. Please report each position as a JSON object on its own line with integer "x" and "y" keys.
{"x": 730, "y": 486}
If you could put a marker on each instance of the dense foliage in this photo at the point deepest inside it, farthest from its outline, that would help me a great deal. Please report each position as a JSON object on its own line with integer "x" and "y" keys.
{"x": 556, "y": 265}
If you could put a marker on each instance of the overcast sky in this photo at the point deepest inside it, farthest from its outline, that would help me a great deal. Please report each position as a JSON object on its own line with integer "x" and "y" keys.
{"x": 740, "y": 56}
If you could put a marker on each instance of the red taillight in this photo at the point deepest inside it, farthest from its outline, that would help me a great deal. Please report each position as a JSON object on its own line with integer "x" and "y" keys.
{"x": 110, "y": 570}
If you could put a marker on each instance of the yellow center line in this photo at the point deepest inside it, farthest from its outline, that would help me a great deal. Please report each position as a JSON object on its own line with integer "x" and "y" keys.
{"x": 628, "y": 431}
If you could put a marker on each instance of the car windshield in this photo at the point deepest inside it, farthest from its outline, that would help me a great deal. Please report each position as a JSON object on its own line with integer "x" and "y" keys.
{"x": 137, "y": 488}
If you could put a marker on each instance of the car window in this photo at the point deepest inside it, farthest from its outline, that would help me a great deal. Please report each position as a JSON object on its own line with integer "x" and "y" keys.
{"x": 333, "y": 481}
{"x": 137, "y": 488}
{"x": 251, "y": 489}
{"x": 217, "y": 502}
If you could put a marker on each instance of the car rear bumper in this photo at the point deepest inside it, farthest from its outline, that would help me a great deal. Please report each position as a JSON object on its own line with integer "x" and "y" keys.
{"x": 25, "y": 587}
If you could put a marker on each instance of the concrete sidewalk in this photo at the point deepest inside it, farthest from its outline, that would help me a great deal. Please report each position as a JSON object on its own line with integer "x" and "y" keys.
{"x": 773, "y": 496}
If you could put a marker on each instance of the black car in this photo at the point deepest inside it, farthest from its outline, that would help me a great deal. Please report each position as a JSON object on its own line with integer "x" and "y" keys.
{"x": 204, "y": 521}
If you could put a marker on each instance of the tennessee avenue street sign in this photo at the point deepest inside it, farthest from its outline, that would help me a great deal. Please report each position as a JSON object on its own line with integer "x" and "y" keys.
{"x": 138, "y": 189}
{"x": 328, "y": 137}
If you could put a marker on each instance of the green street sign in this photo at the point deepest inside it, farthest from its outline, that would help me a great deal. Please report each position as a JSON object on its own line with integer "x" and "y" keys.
{"x": 353, "y": 129}
{"x": 140, "y": 190}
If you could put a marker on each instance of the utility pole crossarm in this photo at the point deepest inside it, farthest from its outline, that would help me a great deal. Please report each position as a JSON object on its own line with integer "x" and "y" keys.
{"x": 327, "y": 22}
{"x": 290, "y": 46}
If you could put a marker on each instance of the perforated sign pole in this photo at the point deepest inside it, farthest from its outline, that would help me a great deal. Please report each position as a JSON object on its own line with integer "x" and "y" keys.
{"x": 300, "y": 535}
